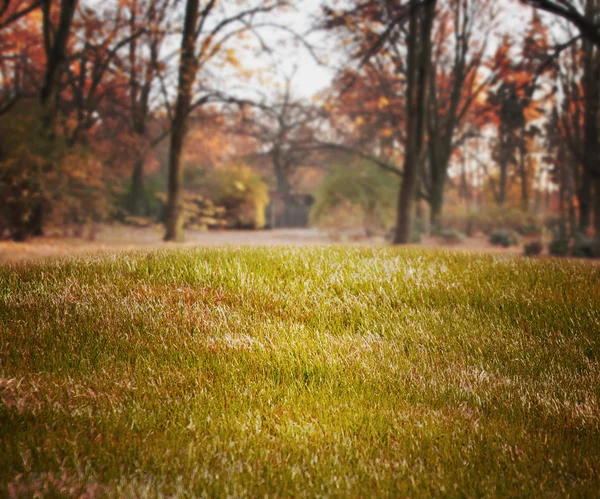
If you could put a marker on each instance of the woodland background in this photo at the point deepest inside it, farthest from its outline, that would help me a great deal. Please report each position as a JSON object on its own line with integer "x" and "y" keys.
{"x": 448, "y": 117}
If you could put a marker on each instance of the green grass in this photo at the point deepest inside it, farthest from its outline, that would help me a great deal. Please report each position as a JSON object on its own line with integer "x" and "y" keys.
{"x": 300, "y": 372}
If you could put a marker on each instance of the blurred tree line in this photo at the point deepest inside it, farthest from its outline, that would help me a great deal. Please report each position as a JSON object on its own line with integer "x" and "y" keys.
{"x": 441, "y": 117}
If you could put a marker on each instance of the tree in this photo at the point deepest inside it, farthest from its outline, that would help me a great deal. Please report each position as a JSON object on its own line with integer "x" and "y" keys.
{"x": 284, "y": 133}
{"x": 12, "y": 11}
{"x": 571, "y": 11}
{"x": 457, "y": 82}
{"x": 211, "y": 28}
{"x": 55, "y": 44}
{"x": 418, "y": 67}
{"x": 579, "y": 118}
{"x": 378, "y": 29}
{"x": 145, "y": 71}
{"x": 517, "y": 101}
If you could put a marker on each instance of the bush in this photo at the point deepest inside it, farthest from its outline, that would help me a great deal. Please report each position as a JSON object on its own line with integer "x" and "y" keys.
{"x": 534, "y": 229}
{"x": 504, "y": 237}
{"x": 491, "y": 218}
{"x": 559, "y": 246}
{"x": 416, "y": 236}
{"x": 579, "y": 246}
{"x": 420, "y": 225}
{"x": 241, "y": 192}
{"x": 583, "y": 246}
{"x": 452, "y": 236}
{"x": 533, "y": 248}
{"x": 357, "y": 196}
{"x": 42, "y": 181}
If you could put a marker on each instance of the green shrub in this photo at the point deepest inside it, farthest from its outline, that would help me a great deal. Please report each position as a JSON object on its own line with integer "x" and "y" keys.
{"x": 359, "y": 195}
{"x": 559, "y": 246}
{"x": 420, "y": 225}
{"x": 583, "y": 246}
{"x": 533, "y": 248}
{"x": 416, "y": 236}
{"x": 534, "y": 229}
{"x": 504, "y": 237}
{"x": 452, "y": 236}
{"x": 491, "y": 218}
{"x": 241, "y": 192}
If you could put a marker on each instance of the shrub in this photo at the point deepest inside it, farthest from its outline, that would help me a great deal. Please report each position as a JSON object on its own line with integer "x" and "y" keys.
{"x": 504, "y": 237}
{"x": 420, "y": 225}
{"x": 491, "y": 218}
{"x": 559, "y": 246}
{"x": 416, "y": 236}
{"x": 583, "y": 246}
{"x": 534, "y": 229}
{"x": 533, "y": 248}
{"x": 42, "y": 181}
{"x": 452, "y": 236}
{"x": 356, "y": 196}
{"x": 241, "y": 192}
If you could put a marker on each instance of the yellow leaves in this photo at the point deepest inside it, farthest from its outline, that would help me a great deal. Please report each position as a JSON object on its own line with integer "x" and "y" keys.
{"x": 36, "y": 18}
{"x": 386, "y": 132}
{"x": 359, "y": 121}
{"x": 383, "y": 102}
{"x": 231, "y": 58}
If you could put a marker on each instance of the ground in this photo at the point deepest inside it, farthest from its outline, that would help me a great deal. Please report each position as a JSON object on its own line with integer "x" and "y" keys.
{"x": 116, "y": 238}
{"x": 314, "y": 371}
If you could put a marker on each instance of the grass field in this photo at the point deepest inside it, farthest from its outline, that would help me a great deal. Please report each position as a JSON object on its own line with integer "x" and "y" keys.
{"x": 300, "y": 372}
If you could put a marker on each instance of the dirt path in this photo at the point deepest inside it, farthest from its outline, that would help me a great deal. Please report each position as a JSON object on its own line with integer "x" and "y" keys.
{"x": 116, "y": 238}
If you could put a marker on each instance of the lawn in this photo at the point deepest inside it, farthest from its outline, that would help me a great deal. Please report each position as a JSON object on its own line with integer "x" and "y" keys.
{"x": 307, "y": 371}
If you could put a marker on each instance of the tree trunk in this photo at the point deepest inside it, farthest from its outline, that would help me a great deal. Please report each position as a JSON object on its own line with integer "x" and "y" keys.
{"x": 418, "y": 67}
{"x": 137, "y": 198}
{"x": 597, "y": 217}
{"x": 570, "y": 201}
{"x": 591, "y": 127}
{"x": 187, "y": 76}
{"x": 284, "y": 189}
{"x": 585, "y": 203}
{"x": 436, "y": 201}
{"x": 55, "y": 49}
{"x": 501, "y": 198}
{"x": 523, "y": 172}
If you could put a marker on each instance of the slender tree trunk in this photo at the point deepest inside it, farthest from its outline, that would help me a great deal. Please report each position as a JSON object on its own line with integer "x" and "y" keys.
{"x": 284, "y": 190}
{"x": 503, "y": 182}
{"x": 585, "y": 202}
{"x": 55, "y": 48}
{"x": 437, "y": 169}
{"x": 563, "y": 195}
{"x": 187, "y": 76}
{"x": 418, "y": 67}
{"x": 137, "y": 198}
{"x": 591, "y": 125}
{"x": 436, "y": 202}
{"x": 572, "y": 213}
{"x": 597, "y": 217}
{"x": 570, "y": 191}
{"x": 523, "y": 172}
